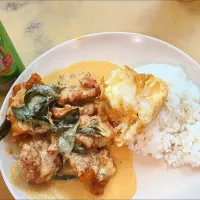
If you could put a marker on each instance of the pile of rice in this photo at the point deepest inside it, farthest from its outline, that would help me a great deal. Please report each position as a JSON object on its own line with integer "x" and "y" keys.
{"x": 175, "y": 133}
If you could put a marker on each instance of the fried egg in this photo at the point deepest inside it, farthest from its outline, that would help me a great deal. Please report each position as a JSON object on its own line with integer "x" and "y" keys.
{"x": 137, "y": 97}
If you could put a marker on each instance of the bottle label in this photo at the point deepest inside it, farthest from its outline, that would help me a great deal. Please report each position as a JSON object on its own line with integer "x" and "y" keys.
{"x": 10, "y": 63}
{"x": 5, "y": 63}
{"x": 8, "y": 60}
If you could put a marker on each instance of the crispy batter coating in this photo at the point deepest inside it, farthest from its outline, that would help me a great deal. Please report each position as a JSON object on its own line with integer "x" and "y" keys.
{"x": 21, "y": 88}
{"x": 85, "y": 91}
{"x": 84, "y": 120}
{"x": 91, "y": 142}
{"x": 18, "y": 127}
{"x": 94, "y": 168}
{"x": 17, "y": 88}
{"x": 34, "y": 79}
{"x": 40, "y": 159}
{"x": 86, "y": 109}
{"x": 96, "y": 121}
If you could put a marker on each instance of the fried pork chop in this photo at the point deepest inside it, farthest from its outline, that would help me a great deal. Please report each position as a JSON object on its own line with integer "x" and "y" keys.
{"x": 84, "y": 90}
{"x": 40, "y": 159}
{"x": 94, "y": 168}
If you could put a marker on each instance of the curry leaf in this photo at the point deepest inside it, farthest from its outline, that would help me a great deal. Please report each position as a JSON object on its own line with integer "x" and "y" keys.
{"x": 25, "y": 114}
{"x": 66, "y": 140}
{"x": 61, "y": 128}
{"x": 4, "y": 128}
{"x": 38, "y": 100}
{"x": 91, "y": 131}
{"x": 71, "y": 117}
{"x": 43, "y": 90}
{"x": 41, "y": 121}
{"x": 79, "y": 149}
{"x": 68, "y": 120}
{"x": 58, "y": 88}
{"x": 65, "y": 177}
{"x": 21, "y": 113}
{"x": 43, "y": 111}
{"x": 38, "y": 105}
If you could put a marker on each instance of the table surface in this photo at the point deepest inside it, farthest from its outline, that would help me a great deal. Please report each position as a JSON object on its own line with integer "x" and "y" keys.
{"x": 36, "y": 26}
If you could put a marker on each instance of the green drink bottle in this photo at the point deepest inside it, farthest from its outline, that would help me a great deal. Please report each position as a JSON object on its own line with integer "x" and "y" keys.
{"x": 11, "y": 65}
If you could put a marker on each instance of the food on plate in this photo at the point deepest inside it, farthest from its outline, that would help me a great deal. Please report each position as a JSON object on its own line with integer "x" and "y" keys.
{"x": 71, "y": 128}
{"x": 40, "y": 159}
{"x": 94, "y": 168}
{"x": 132, "y": 101}
{"x": 174, "y": 134}
{"x": 65, "y": 122}
{"x": 58, "y": 123}
{"x": 85, "y": 89}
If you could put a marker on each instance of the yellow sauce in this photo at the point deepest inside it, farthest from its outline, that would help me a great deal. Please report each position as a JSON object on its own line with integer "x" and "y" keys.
{"x": 98, "y": 69}
{"x": 8, "y": 150}
{"x": 121, "y": 186}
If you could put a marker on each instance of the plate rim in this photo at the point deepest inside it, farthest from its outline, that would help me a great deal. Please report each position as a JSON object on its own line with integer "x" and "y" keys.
{"x": 92, "y": 35}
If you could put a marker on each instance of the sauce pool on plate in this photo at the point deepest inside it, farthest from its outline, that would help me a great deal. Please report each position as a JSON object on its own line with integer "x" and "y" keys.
{"x": 98, "y": 69}
{"x": 121, "y": 186}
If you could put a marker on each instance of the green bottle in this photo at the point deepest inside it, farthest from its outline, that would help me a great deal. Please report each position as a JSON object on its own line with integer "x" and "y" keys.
{"x": 11, "y": 65}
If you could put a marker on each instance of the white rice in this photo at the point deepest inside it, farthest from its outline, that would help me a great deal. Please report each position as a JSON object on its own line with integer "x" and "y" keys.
{"x": 175, "y": 133}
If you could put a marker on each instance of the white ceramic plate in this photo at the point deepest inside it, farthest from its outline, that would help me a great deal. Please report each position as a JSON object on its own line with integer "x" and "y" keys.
{"x": 154, "y": 178}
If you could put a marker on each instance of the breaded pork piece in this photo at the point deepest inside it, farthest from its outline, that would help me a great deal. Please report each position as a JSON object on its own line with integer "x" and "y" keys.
{"x": 87, "y": 109}
{"x": 93, "y": 140}
{"x": 94, "y": 168}
{"x": 85, "y": 90}
{"x": 40, "y": 159}
{"x": 90, "y": 141}
{"x": 19, "y": 127}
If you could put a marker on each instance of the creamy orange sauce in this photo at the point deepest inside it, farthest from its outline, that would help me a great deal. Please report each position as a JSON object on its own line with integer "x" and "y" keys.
{"x": 8, "y": 150}
{"x": 120, "y": 186}
{"x": 98, "y": 69}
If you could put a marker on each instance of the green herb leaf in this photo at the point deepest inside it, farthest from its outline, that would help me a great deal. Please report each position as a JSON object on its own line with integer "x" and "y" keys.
{"x": 58, "y": 88}
{"x": 37, "y": 120}
{"x": 24, "y": 113}
{"x": 38, "y": 100}
{"x": 71, "y": 117}
{"x": 91, "y": 131}
{"x": 79, "y": 149}
{"x": 61, "y": 128}
{"x": 21, "y": 113}
{"x": 42, "y": 90}
{"x": 65, "y": 177}
{"x": 43, "y": 111}
{"x": 38, "y": 105}
{"x": 68, "y": 120}
{"x": 66, "y": 140}
{"x": 4, "y": 128}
